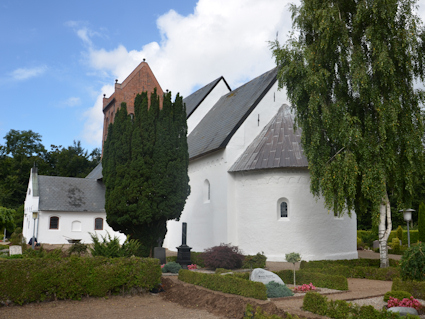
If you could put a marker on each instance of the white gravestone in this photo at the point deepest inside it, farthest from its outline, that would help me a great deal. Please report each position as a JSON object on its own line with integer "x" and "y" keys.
{"x": 265, "y": 276}
{"x": 403, "y": 311}
{"x": 15, "y": 250}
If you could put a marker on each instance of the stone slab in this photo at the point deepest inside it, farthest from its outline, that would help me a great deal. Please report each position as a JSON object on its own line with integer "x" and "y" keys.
{"x": 15, "y": 250}
{"x": 404, "y": 310}
{"x": 375, "y": 244}
{"x": 265, "y": 276}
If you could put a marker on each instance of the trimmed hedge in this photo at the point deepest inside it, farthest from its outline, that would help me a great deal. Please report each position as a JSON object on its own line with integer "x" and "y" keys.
{"x": 340, "y": 309}
{"x": 414, "y": 235}
{"x": 359, "y": 272}
{"x": 316, "y": 278}
{"x": 228, "y": 283}
{"x": 345, "y": 262}
{"x": 416, "y": 288}
{"x": 37, "y": 279}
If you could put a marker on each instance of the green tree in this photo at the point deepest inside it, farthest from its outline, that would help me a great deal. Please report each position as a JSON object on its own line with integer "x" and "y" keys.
{"x": 421, "y": 222}
{"x": 73, "y": 161}
{"x": 349, "y": 72}
{"x": 7, "y": 221}
{"x": 145, "y": 163}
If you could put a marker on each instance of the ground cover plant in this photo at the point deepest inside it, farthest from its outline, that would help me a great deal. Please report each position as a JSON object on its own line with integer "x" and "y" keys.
{"x": 171, "y": 267}
{"x": 276, "y": 290}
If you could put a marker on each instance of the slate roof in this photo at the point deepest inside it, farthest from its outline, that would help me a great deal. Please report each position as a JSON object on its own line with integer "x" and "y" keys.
{"x": 216, "y": 129}
{"x": 96, "y": 173}
{"x": 195, "y": 99}
{"x": 70, "y": 194}
{"x": 277, "y": 146}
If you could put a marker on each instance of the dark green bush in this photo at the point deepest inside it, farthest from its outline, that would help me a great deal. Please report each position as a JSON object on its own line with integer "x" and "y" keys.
{"x": 78, "y": 249}
{"x": 172, "y": 267}
{"x": 399, "y": 294}
{"x": 276, "y": 290}
{"x": 228, "y": 284}
{"x": 223, "y": 256}
{"x": 37, "y": 279}
{"x": 399, "y": 233}
{"x": 416, "y": 288}
{"x": 254, "y": 261}
{"x": 316, "y": 278}
{"x": 414, "y": 236}
{"x": 258, "y": 313}
{"x": 110, "y": 247}
{"x": 412, "y": 265}
{"x": 40, "y": 252}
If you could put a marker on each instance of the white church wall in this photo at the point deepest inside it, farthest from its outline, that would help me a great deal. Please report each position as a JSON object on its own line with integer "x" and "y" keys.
{"x": 72, "y": 225}
{"x": 30, "y": 206}
{"x": 309, "y": 229}
{"x": 206, "y": 219}
{"x": 219, "y": 90}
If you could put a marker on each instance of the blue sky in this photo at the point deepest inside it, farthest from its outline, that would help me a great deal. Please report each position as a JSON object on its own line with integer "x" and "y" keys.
{"x": 58, "y": 58}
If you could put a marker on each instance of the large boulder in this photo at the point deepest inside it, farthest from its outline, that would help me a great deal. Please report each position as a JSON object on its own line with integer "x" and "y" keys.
{"x": 265, "y": 276}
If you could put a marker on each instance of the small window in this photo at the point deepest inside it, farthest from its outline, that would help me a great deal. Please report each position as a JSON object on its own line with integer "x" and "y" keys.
{"x": 54, "y": 222}
{"x": 98, "y": 224}
{"x": 283, "y": 209}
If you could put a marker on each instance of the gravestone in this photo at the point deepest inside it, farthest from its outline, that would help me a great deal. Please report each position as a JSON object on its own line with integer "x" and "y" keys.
{"x": 375, "y": 244}
{"x": 15, "y": 250}
{"x": 159, "y": 252}
{"x": 265, "y": 276}
{"x": 404, "y": 310}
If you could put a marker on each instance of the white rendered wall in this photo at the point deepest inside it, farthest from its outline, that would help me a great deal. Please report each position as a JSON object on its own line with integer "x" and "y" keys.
{"x": 65, "y": 231}
{"x": 30, "y": 206}
{"x": 309, "y": 229}
{"x": 206, "y": 219}
{"x": 217, "y": 92}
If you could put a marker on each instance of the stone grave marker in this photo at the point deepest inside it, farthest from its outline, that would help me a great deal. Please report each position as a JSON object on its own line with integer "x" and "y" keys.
{"x": 15, "y": 250}
{"x": 265, "y": 276}
{"x": 159, "y": 252}
{"x": 404, "y": 310}
{"x": 375, "y": 244}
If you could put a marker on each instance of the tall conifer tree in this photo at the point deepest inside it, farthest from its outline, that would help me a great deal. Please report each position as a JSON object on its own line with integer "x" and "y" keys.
{"x": 145, "y": 165}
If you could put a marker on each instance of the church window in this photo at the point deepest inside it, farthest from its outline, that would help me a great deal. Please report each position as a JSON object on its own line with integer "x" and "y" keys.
{"x": 283, "y": 208}
{"x": 54, "y": 222}
{"x": 98, "y": 224}
{"x": 207, "y": 191}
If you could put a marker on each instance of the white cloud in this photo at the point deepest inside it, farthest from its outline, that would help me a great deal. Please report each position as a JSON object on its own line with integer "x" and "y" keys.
{"x": 221, "y": 38}
{"x": 27, "y": 73}
{"x": 71, "y": 102}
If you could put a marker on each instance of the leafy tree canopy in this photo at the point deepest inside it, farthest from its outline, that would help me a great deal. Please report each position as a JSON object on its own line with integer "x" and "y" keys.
{"x": 145, "y": 163}
{"x": 349, "y": 69}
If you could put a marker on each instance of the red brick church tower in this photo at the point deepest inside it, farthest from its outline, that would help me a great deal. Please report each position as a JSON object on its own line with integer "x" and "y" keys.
{"x": 140, "y": 80}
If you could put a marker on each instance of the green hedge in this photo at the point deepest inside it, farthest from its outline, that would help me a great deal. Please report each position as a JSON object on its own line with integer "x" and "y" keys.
{"x": 359, "y": 272}
{"x": 416, "y": 288}
{"x": 318, "y": 279}
{"x": 225, "y": 283}
{"x": 38, "y": 279}
{"x": 345, "y": 262}
{"x": 340, "y": 309}
{"x": 414, "y": 235}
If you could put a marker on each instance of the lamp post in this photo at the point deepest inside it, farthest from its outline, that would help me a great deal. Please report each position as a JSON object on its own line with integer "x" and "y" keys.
{"x": 34, "y": 216}
{"x": 407, "y": 214}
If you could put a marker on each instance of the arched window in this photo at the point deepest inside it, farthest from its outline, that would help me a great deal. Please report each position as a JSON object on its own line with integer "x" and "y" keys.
{"x": 207, "y": 191}
{"x": 98, "y": 223}
{"x": 54, "y": 222}
{"x": 76, "y": 225}
{"x": 282, "y": 208}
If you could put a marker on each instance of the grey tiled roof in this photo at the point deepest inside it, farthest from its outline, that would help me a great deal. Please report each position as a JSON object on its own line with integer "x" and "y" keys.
{"x": 71, "y": 194}
{"x": 216, "y": 129}
{"x": 276, "y": 146}
{"x": 192, "y": 101}
{"x": 96, "y": 173}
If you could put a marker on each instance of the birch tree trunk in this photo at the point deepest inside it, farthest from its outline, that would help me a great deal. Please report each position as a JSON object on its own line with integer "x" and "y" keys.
{"x": 385, "y": 226}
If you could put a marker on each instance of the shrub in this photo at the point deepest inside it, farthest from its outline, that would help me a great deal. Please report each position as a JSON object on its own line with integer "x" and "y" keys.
{"x": 276, "y": 290}
{"x": 318, "y": 279}
{"x": 231, "y": 284}
{"x": 78, "y": 248}
{"x": 412, "y": 266}
{"x": 405, "y": 302}
{"x": 416, "y": 288}
{"x": 399, "y": 294}
{"x": 254, "y": 261}
{"x": 305, "y": 288}
{"x": 110, "y": 247}
{"x": 399, "y": 233}
{"x": 223, "y": 256}
{"x": 172, "y": 267}
{"x": 196, "y": 258}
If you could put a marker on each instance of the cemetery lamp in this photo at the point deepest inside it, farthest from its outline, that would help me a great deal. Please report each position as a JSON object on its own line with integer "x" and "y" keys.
{"x": 34, "y": 216}
{"x": 407, "y": 214}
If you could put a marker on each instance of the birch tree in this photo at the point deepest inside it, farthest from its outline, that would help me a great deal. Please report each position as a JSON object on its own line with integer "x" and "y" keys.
{"x": 349, "y": 68}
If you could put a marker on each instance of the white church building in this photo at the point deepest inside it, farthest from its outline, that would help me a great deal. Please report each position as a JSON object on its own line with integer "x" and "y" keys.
{"x": 249, "y": 178}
